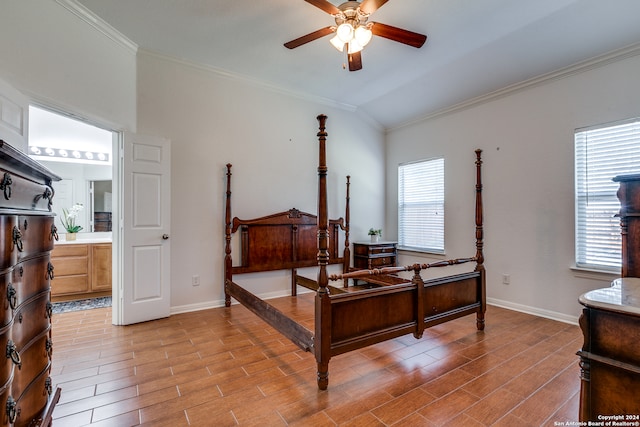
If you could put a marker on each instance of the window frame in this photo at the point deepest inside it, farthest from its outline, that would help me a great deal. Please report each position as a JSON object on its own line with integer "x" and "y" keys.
{"x": 597, "y": 236}
{"x": 432, "y": 194}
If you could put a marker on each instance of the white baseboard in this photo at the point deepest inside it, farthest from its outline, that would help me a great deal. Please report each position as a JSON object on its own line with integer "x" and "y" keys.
{"x": 548, "y": 314}
{"x": 220, "y": 303}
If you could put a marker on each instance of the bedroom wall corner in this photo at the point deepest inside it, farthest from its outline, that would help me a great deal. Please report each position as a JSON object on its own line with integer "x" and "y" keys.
{"x": 527, "y": 138}
{"x": 270, "y": 138}
{"x": 57, "y": 59}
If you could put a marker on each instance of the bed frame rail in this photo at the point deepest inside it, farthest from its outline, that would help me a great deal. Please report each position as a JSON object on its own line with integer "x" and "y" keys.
{"x": 298, "y": 334}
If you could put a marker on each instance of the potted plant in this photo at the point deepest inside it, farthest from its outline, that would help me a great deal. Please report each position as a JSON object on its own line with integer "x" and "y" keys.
{"x": 375, "y": 234}
{"x": 69, "y": 220}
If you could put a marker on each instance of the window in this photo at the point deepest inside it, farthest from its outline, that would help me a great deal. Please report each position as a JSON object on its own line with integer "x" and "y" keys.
{"x": 421, "y": 205}
{"x": 601, "y": 154}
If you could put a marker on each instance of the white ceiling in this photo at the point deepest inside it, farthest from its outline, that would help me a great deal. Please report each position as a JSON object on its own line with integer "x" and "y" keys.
{"x": 474, "y": 47}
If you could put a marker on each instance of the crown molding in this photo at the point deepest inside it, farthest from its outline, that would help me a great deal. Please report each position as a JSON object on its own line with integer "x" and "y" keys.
{"x": 578, "y": 68}
{"x": 248, "y": 80}
{"x": 102, "y": 26}
{"x": 98, "y": 23}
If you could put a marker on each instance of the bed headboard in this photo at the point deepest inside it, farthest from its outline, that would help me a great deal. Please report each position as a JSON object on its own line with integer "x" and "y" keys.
{"x": 285, "y": 240}
{"x": 282, "y": 241}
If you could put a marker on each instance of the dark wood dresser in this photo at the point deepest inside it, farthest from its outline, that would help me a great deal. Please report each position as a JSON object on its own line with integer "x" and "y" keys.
{"x": 27, "y": 238}
{"x": 629, "y": 196}
{"x": 374, "y": 255}
{"x": 610, "y": 356}
{"x": 102, "y": 221}
{"x": 610, "y": 323}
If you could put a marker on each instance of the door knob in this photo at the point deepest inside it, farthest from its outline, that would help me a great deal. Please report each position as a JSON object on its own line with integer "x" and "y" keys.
{"x": 165, "y": 237}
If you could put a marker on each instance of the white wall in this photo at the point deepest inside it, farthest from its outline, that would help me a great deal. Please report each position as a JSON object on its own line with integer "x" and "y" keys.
{"x": 270, "y": 138}
{"x": 57, "y": 59}
{"x": 527, "y": 138}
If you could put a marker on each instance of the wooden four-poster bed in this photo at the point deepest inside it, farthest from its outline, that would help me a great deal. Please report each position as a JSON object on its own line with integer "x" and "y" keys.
{"x": 350, "y": 316}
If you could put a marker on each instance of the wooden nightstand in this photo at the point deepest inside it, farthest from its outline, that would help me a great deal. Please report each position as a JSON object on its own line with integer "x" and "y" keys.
{"x": 374, "y": 255}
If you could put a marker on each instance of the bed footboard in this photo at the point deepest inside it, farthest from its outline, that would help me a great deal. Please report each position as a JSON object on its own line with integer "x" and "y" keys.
{"x": 375, "y": 315}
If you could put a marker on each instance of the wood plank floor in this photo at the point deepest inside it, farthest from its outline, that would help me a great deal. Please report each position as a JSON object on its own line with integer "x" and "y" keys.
{"x": 225, "y": 367}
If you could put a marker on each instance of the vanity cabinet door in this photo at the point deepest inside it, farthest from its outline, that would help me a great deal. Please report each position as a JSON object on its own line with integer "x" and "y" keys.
{"x": 101, "y": 267}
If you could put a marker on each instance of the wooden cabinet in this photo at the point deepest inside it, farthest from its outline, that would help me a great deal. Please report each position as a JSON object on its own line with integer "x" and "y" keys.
{"x": 629, "y": 196}
{"x": 610, "y": 356}
{"x": 102, "y": 221}
{"x": 374, "y": 255}
{"x": 101, "y": 267}
{"x": 81, "y": 270}
{"x": 27, "y": 235}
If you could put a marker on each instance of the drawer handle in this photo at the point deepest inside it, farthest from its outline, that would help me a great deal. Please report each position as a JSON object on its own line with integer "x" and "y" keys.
{"x": 17, "y": 239}
{"x": 5, "y": 185}
{"x": 54, "y": 232}
{"x": 49, "y": 347}
{"x": 12, "y": 353}
{"x": 50, "y": 270}
{"x": 48, "y": 386}
{"x": 48, "y": 194}
{"x": 12, "y": 296}
{"x": 12, "y": 412}
{"x": 49, "y": 310}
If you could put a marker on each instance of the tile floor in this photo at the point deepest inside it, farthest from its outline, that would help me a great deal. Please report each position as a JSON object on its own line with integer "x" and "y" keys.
{"x": 225, "y": 367}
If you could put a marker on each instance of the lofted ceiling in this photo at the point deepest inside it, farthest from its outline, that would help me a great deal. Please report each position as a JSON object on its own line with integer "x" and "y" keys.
{"x": 474, "y": 47}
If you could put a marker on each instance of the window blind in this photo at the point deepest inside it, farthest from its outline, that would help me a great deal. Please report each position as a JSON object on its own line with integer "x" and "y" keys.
{"x": 600, "y": 155}
{"x": 421, "y": 205}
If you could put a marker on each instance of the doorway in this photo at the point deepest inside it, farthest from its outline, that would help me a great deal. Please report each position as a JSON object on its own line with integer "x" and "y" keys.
{"x": 82, "y": 155}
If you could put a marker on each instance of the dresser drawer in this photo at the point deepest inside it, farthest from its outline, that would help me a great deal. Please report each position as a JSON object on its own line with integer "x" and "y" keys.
{"x": 5, "y": 399}
{"x": 36, "y": 235}
{"x": 35, "y": 358}
{"x": 19, "y": 192}
{"x": 31, "y": 319}
{"x": 6, "y": 365}
{"x": 30, "y": 278}
{"x": 33, "y": 400}
{"x": 369, "y": 249}
{"x": 6, "y": 313}
{"x": 386, "y": 261}
{"x": 8, "y": 251}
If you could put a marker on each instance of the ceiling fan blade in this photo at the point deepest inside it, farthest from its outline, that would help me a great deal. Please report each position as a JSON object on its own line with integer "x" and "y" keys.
{"x": 355, "y": 61}
{"x": 324, "y": 5}
{"x": 309, "y": 37}
{"x": 398, "y": 34}
{"x": 370, "y": 6}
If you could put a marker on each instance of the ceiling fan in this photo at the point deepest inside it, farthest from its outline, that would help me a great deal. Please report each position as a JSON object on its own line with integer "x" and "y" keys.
{"x": 353, "y": 31}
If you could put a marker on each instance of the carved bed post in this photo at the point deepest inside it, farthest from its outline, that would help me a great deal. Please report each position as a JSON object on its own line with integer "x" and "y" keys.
{"x": 479, "y": 242}
{"x": 347, "y": 251}
{"x": 227, "y": 247}
{"x": 322, "y": 302}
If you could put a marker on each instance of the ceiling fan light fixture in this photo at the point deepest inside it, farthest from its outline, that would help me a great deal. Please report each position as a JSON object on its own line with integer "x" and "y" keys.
{"x": 363, "y": 35}
{"x": 354, "y": 47}
{"x": 337, "y": 43}
{"x": 345, "y": 32}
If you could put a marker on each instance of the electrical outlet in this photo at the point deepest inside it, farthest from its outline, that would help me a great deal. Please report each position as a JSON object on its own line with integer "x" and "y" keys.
{"x": 195, "y": 280}
{"x": 506, "y": 279}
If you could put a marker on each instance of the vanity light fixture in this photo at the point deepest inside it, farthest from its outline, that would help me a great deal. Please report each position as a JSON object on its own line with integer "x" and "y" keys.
{"x": 75, "y": 155}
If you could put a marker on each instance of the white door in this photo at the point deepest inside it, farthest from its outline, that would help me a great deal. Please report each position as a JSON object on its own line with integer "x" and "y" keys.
{"x": 145, "y": 229}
